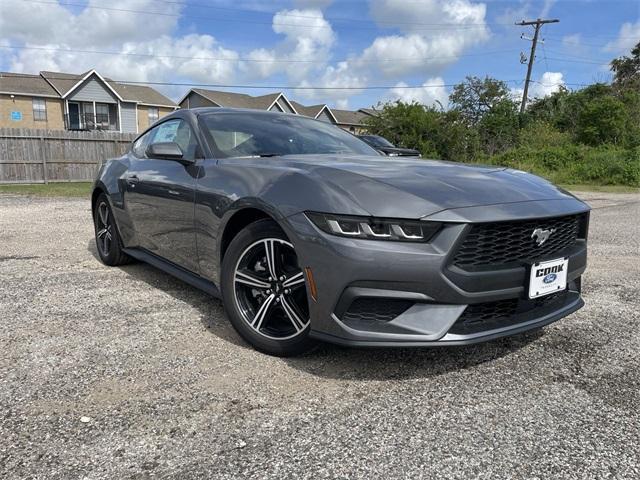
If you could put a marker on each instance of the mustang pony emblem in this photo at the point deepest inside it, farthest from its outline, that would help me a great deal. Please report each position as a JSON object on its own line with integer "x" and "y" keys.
{"x": 540, "y": 235}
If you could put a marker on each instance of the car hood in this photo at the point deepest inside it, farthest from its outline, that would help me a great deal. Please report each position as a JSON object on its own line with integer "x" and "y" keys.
{"x": 383, "y": 186}
{"x": 408, "y": 188}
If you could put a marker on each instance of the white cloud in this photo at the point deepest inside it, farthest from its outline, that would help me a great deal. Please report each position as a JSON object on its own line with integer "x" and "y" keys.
{"x": 628, "y": 37}
{"x": 307, "y": 46}
{"x": 151, "y": 47}
{"x": 546, "y": 8}
{"x": 514, "y": 13}
{"x": 150, "y": 53}
{"x": 548, "y": 83}
{"x": 423, "y": 47}
{"x": 572, "y": 41}
{"x": 51, "y": 23}
{"x": 433, "y": 93}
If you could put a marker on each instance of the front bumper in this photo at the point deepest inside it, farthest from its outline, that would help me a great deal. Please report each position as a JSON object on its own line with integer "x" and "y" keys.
{"x": 437, "y": 294}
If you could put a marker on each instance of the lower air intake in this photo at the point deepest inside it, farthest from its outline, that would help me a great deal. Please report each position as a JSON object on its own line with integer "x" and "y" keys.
{"x": 374, "y": 310}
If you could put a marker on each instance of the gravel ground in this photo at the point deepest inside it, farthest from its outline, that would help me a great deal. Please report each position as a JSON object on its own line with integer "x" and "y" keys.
{"x": 127, "y": 373}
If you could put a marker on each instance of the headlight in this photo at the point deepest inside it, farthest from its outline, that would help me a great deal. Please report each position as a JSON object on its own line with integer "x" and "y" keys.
{"x": 398, "y": 230}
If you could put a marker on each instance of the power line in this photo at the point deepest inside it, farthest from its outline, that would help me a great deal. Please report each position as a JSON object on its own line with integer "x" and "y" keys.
{"x": 292, "y": 87}
{"x": 569, "y": 60}
{"x": 274, "y": 87}
{"x": 243, "y": 59}
{"x": 244, "y": 21}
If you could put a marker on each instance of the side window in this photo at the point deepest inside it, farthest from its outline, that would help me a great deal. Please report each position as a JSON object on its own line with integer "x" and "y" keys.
{"x": 140, "y": 145}
{"x": 177, "y": 131}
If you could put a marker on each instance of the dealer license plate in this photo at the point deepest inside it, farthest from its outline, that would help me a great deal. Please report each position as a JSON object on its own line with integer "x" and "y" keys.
{"x": 548, "y": 277}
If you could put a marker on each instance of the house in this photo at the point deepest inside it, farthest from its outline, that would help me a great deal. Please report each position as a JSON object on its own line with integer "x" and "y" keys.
{"x": 352, "y": 121}
{"x": 275, "y": 102}
{"x": 319, "y": 112}
{"x": 87, "y": 101}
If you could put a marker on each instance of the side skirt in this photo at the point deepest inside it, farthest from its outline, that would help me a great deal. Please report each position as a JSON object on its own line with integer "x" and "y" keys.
{"x": 174, "y": 270}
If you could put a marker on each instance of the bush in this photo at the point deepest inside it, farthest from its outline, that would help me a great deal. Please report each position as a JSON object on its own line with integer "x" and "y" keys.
{"x": 576, "y": 164}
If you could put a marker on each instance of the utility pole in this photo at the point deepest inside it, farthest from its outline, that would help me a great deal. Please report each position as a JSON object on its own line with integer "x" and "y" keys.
{"x": 537, "y": 24}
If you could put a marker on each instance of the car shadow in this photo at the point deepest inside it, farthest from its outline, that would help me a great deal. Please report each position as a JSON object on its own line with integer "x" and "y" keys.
{"x": 333, "y": 361}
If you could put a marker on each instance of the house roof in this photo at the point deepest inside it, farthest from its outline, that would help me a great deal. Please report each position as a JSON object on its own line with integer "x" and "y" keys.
{"x": 308, "y": 110}
{"x": 349, "y": 117}
{"x": 59, "y": 84}
{"x": 238, "y": 100}
{"x": 141, "y": 94}
{"x": 24, "y": 84}
{"x": 370, "y": 111}
{"x": 227, "y": 99}
{"x": 63, "y": 82}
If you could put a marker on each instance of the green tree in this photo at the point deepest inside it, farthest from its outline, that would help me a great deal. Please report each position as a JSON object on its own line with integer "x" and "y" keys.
{"x": 498, "y": 127}
{"x": 602, "y": 120}
{"x": 626, "y": 70}
{"x": 476, "y": 96}
{"x": 409, "y": 125}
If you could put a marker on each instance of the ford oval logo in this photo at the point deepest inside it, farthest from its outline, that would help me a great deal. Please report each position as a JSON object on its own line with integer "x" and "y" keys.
{"x": 550, "y": 278}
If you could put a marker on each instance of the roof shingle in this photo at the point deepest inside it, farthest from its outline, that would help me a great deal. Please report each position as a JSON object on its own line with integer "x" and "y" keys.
{"x": 349, "y": 117}
{"x": 19, "y": 83}
{"x": 237, "y": 100}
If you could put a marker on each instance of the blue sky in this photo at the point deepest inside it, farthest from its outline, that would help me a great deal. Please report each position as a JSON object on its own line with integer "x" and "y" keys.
{"x": 318, "y": 43}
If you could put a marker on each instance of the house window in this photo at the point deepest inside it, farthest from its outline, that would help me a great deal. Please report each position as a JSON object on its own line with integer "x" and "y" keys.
{"x": 102, "y": 116}
{"x": 39, "y": 109}
{"x": 154, "y": 115}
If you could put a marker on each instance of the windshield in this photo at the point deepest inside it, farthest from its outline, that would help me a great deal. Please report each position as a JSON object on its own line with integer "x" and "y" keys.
{"x": 263, "y": 134}
{"x": 377, "y": 140}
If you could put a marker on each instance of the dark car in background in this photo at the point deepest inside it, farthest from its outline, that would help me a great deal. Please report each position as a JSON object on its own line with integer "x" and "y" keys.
{"x": 385, "y": 147}
{"x": 308, "y": 234}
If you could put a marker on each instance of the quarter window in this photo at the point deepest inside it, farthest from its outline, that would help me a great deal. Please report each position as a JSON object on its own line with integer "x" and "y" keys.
{"x": 39, "y": 109}
{"x": 154, "y": 115}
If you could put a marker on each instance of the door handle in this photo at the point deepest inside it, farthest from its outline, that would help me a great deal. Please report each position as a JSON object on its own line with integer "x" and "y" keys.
{"x": 132, "y": 180}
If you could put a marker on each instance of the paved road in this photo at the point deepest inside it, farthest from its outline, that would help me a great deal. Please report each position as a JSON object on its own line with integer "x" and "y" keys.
{"x": 127, "y": 373}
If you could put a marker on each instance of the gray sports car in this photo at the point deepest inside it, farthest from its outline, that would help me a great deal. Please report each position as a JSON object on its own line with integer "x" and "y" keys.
{"x": 307, "y": 234}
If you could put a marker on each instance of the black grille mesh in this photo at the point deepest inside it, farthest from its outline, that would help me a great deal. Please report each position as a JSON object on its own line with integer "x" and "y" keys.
{"x": 486, "y": 316}
{"x": 503, "y": 243}
{"x": 375, "y": 309}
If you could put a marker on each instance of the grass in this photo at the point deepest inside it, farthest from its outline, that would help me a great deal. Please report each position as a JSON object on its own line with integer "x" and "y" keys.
{"x": 66, "y": 189}
{"x": 601, "y": 188}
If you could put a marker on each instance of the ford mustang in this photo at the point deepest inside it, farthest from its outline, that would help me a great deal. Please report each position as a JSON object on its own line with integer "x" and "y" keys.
{"x": 307, "y": 234}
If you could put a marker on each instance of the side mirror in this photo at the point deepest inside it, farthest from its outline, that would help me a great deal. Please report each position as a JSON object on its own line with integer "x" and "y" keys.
{"x": 165, "y": 150}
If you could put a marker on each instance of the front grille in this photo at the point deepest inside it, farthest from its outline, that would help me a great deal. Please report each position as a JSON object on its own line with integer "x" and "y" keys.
{"x": 488, "y": 316}
{"x": 373, "y": 310}
{"x": 502, "y": 244}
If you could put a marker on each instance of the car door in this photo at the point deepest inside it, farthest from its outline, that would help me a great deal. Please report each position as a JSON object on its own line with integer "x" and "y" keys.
{"x": 160, "y": 195}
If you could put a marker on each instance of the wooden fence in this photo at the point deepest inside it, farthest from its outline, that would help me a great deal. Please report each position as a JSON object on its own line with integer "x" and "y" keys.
{"x": 42, "y": 156}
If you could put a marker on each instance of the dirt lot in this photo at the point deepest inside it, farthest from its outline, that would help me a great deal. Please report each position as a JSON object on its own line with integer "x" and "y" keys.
{"x": 127, "y": 373}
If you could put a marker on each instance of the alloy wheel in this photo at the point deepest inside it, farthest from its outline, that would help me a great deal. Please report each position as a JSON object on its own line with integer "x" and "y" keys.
{"x": 269, "y": 289}
{"x": 104, "y": 229}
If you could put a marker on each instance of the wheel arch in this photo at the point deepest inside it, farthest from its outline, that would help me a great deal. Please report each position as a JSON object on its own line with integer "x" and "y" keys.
{"x": 237, "y": 222}
{"x": 97, "y": 191}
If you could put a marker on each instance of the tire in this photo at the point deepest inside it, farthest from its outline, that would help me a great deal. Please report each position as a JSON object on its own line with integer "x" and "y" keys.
{"x": 108, "y": 241}
{"x": 270, "y": 313}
